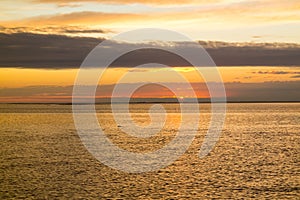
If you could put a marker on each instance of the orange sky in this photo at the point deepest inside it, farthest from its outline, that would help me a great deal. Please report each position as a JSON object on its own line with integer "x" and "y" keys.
{"x": 14, "y": 77}
{"x": 271, "y": 26}
{"x": 223, "y": 20}
{"x": 39, "y": 85}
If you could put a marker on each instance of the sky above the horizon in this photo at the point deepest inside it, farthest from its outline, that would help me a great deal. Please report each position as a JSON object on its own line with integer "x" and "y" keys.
{"x": 221, "y": 20}
{"x": 255, "y": 43}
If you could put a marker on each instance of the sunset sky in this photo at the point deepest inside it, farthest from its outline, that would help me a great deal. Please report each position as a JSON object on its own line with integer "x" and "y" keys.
{"x": 255, "y": 44}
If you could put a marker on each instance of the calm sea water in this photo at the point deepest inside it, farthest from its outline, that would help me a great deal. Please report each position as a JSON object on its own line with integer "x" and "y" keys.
{"x": 257, "y": 155}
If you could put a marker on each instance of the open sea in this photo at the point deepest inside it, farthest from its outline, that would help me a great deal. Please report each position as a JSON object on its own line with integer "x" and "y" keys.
{"x": 256, "y": 156}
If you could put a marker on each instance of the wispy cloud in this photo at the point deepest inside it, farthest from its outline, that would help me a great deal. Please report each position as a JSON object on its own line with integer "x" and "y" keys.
{"x": 151, "y": 2}
{"x": 77, "y": 18}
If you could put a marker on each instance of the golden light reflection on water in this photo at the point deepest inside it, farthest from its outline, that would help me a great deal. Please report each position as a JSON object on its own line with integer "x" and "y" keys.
{"x": 255, "y": 157}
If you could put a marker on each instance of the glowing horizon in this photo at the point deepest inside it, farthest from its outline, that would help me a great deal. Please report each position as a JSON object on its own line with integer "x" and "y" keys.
{"x": 43, "y": 43}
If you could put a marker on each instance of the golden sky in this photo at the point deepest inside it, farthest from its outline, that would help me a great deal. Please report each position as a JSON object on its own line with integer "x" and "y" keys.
{"x": 258, "y": 42}
{"x": 223, "y": 20}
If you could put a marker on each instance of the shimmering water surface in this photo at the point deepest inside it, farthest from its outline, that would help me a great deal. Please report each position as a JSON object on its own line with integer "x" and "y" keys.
{"x": 257, "y": 155}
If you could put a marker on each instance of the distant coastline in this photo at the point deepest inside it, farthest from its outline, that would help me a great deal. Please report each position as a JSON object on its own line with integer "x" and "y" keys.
{"x": 143, "y": 102}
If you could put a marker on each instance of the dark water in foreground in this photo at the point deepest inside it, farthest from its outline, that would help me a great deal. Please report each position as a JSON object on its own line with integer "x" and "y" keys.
{"x": 257, "y": 155}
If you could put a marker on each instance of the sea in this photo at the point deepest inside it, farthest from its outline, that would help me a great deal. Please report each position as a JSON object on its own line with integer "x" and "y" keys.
{"x": 256, "y": 156}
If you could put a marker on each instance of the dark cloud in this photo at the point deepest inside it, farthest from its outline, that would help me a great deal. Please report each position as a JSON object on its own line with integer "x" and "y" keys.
{"x": 84, "y": 31}
{"x": 31, "y": 50}
{"x": 262, "y": 54}
{"x": 266, "y": 91}
{"x": 296, "y": 76}
{"x": 52, "y": 29}
{"x": 275, "y": 72}
{"x": 32, "y": 91}
{"x": 257, "y": 36}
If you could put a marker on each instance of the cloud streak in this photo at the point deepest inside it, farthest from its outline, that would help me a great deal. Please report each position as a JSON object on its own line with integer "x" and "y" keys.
{"x": 236, "y": 91}
{"x": 275, "y": 72}
{"x": 78, "y": 18}
{"x": 150, "y": 2}
{"x": 67, "y": 30}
